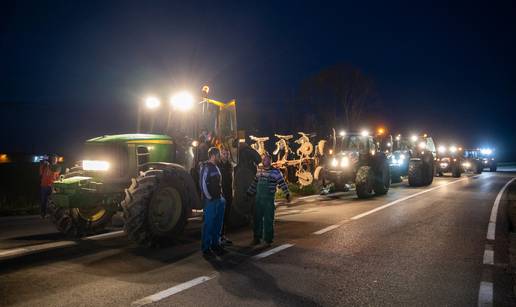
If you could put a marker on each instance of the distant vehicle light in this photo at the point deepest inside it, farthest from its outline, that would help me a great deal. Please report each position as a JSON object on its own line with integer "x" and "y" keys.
{"x": 398, "y": 137}
{"x": 381, "y": 131}
{"x": 182, "y": 101}
{"x": 342, "y": 133}
{"x": 152, "y": 102}
{"x": 389, "y": 144}
{"x": 402, "y": 157}
{"x": 344, "y": 162}
{"x": 413, "y": 138}
{"x": 453, "y": 149}
{"x": 330, "y": 151}
{"x": 443, "y": 165}
{"x": 334, "y": 162}
{"x": 364, "y": 133}
{"x": 466, "y": 164}
{"x": 486, "y": 151}
{"x": 422, "y": 145}
{"x": 95, "y": 165}
{"x": 441, "y": 149}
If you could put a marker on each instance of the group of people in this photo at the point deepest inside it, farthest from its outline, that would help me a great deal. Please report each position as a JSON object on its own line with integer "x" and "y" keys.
{"x": 216, "y": 185}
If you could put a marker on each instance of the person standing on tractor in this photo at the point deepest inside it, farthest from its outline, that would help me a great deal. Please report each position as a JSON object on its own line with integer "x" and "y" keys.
{"x": 214, "y": 203}
{"x": 226, "y": 170}
{"x": 48, "y": 173}
{"x": 264, "y": 187}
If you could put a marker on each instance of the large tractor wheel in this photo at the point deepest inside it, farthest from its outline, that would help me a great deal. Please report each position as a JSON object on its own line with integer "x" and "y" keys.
{"x": 456, "y": 171}
{"x": 78, "y": 222}
{"x": 382, "y": 179}
{"x": 364, "y": 182}
{"x": 416, "y": 174}
{"x": 156, "y": 206}
{"x": 428, "y": 168}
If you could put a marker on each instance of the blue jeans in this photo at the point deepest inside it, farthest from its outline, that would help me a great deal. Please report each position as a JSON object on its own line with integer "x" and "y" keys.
{"x": 45, "y": 194}
{"x": 213, "y": 220}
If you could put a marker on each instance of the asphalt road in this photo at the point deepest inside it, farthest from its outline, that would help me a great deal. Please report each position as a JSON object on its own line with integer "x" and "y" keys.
{"x": 414, "y": 246}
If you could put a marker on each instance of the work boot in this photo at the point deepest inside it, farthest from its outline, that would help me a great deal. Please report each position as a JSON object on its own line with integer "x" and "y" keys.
{"x": 225, "y": 242}
{"x": 208, "y": 254}
{"x": 219, "y": 250}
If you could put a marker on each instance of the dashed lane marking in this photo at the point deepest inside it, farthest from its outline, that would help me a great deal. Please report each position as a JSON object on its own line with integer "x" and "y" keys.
{"x": 171, "y": 291}
{"x": 359, "y": 216}
{"x": 32, "y": 249}
{"x": 272, "y": 251}
{"x": 485, "y": 294}
{"x": 329, "y": 228}
{"x": 488, "y": 257}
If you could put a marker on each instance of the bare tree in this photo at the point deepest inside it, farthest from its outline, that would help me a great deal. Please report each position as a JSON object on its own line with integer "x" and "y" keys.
{"x": 339, "y": 91}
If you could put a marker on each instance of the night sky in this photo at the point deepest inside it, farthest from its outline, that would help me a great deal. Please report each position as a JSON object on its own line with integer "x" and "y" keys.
{"x": 71, "y": 70}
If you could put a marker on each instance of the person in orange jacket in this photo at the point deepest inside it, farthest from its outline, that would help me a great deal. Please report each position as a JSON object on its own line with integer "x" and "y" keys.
{"x": 48, "y": 173}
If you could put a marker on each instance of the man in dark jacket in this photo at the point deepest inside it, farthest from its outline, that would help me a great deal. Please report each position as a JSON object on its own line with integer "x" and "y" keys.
{"x": 264, "y": 187}
{"x": 226, "y": 170}
{"x": 211, "y": 190}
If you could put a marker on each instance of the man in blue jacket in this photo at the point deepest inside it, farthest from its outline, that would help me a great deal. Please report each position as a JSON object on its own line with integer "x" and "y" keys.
{"x": 211, "y": 191}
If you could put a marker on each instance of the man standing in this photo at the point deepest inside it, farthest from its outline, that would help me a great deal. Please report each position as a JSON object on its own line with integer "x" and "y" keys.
{"x": 264, "y": 187}
{"x": 48, "y": 172}
{"x": 226, "y": 170}
{"x": 211, "y": 191}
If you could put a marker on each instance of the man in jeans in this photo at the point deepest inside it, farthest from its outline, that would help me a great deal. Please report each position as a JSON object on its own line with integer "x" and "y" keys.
{"x": 264, "y": 187}
{"x": 48, "y": 173}
{"x": 211, "y": 192}
{"x": 226, "y": 170}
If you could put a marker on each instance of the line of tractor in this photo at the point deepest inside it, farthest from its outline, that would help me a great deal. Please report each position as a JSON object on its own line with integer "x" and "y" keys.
{"x": 151, "y": 179}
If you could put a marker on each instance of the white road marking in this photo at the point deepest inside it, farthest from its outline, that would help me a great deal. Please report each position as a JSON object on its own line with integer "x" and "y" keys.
{"x": 38, "y": 248}
{"x": 491, "y": 228}
{"x": 272, "y": 251}
{"x": 356, "y": 217}
{"x": 485, "y": 294}
{"x": 171, "y": 291}
{"x": 329, "y": 228}
{"x": 489, "y": 257}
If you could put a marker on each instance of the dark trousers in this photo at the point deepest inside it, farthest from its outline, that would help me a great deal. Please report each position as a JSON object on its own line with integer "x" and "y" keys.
{"x": 44, "y": 194}
{"x": 213, "y": 220}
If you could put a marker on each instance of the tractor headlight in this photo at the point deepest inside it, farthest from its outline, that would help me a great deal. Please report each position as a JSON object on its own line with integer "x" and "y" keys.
{"x": 441, "y": 149}
{"x": 453, "y": 149}
{"x": 334, "y": 162}
{"x": 402, "y": 157}
{"x": 422, "y": 145}
{"x": 466, "y": 164}
{"x": 344, "y": 162}
{"x": 95, "y": 165}
{"x": 443, "y": 165}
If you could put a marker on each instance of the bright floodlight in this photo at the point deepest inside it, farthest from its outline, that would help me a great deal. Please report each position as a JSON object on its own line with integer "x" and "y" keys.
{"x": 342, "y": 133}
{"x": 152, "y": 102}
{"x": 398, "y": 137}
{"x": 365, "y": 133}
{"x": 453, "y": 149}
{"x": 182, "y": 101}
{"x": 486, "y": 151}
{"x": 413, "y": 138}
{"x": 422, "y": 145}
{"x": 441, "y": 149}
{"x": 95, "y": 165}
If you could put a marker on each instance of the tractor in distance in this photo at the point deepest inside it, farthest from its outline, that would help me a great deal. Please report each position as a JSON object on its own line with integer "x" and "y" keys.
{"x": 356, "y": 159}
{"x": 449, "y": 160}
{"x": 472, "y": 161}
{"x": 150, "y": 178}
{"x": 413, "y": 157}
{"x": 488, "y": 159}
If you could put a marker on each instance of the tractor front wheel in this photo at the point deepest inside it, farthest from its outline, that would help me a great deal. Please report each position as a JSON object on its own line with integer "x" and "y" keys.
{"x": 155, "y": 207}
{"x": 364, "y": 182}
{"x": 77, "y": 222}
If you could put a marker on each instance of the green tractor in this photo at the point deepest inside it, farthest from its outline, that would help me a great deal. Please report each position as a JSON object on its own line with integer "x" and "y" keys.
{"x": 413, "y": 157}
{"x": 150, "y": 178}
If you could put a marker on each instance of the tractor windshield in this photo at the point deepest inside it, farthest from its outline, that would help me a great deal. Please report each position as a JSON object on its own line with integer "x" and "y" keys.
{"x": 352, "y": 143}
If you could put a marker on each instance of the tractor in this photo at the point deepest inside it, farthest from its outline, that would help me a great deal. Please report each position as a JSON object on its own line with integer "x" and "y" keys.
{"x": 150, "y": 178}
{"x": 355, "y": 159}
{"x": 413, "y": 157}
{"x": 488, "y": 159}
{"x": 473, "y": 161}
{"x": 449, "y": 160}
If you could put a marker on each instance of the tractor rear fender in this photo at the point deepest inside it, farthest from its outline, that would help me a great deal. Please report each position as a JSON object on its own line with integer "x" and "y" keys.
{"x": 194, "y": 201}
